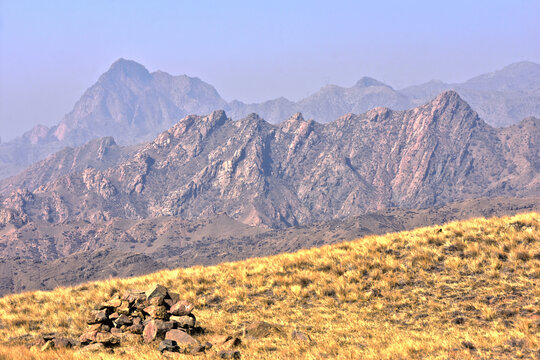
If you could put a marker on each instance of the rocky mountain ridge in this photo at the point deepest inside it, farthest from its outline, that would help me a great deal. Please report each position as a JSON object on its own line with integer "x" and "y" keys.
{"x": 298, "y": 171}
{"x": 133, "y": 105}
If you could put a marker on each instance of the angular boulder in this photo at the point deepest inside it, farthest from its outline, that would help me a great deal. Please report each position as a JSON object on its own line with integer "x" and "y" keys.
{"x": 156, "y": 291}
{"x": 181, "y": 337}
{"x": 181, "y": 308}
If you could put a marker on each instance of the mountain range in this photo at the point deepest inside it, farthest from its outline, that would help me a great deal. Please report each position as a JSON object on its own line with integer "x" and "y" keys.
{"x": 133, "y": 105}
{"x": 295, "y": 172}
{"x": 217, "y": 187}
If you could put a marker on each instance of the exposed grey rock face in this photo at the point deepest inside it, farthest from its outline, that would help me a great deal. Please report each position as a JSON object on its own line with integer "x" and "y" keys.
{"x": 133, "y": 105}
{"x": 300, "y": 171}
{"x": 99, "y": 154}
{"x": 127, "y": 103}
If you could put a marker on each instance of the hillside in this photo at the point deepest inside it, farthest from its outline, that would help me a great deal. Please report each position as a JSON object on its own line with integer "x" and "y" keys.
{"x": 463, "y": 290}
{"x": 41, "y": 256}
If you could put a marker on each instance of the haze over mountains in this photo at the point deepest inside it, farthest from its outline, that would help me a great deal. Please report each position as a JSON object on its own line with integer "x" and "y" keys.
{"x": 132, "y": 105}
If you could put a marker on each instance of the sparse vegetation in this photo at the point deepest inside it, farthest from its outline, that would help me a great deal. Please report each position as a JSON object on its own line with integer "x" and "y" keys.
{"x": 464, "y": 290}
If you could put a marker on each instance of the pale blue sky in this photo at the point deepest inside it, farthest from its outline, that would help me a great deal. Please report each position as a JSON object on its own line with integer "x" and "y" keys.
{"x": 51, "y": 51}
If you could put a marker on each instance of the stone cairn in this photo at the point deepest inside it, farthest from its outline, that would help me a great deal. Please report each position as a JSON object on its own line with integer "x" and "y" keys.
{"x": 154, "y": 315}
{"x": 157, "y": 315}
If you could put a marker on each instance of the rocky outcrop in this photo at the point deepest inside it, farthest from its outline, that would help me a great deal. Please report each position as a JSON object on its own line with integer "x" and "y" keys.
{"x": 98, "y": 154}
{"x": 301, "y": 171}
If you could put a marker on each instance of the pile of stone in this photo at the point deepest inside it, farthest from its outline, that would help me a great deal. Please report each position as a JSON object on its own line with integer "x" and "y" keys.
{"x": 159, "y": 315}
{"x": 154, "y": 315}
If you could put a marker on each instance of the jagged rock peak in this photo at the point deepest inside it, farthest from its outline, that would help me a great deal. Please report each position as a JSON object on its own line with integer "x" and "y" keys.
{"x": 448, "y": 98}
{"x": 296, "y": 117}
{"x": 368, "y": 81}
{"x": 293, "y": 123}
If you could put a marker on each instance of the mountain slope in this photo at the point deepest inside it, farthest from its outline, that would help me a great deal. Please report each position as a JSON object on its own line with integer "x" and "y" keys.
{"x": 461, "y": 290}
{"x": 41, "y": 255}
{"x": 299, "y": 171}
{"x": 99, "y": 154}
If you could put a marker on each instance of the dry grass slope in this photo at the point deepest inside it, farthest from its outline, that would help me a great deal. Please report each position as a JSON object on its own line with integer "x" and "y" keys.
{"x": 416, "y": 294}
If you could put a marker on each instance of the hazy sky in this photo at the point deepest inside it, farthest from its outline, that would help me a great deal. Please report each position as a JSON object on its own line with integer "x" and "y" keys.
{"x": 51, "y": 51}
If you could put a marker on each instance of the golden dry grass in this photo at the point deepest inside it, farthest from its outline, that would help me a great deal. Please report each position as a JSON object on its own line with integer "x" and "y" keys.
{"x": 411, "y": 295}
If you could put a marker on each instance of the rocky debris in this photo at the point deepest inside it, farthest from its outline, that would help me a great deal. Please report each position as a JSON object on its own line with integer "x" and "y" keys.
{"x": 261, "y": 329}
{"x": 229, "y": 354}
{"x": 181, "y": 337}
{"x": 168, "y": 345}
{"x": 49, "y": 341}
{"x": 146, "y": 316}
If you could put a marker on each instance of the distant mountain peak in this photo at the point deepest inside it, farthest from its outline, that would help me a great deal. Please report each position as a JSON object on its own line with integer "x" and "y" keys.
{"x": 522, "y": 65}
{"x": 367, "y": 81}
{"x": 124, "y": 67}
{"x": 449, "y": 97}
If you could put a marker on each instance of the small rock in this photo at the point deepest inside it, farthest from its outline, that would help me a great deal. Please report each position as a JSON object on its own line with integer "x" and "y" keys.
{"x": 197, "y": 349}
{"x": 98, "y": 316}
{"x": 97, "y": 347}
{"x": 181, "y": 308}
{"x": 181, "y": 337}
{"x": 123, "y": 320}
{"x": 262, "y": 329}
{"x": 168, "y": 345}
{"x": 459, "y": 320}
{"x": 136, "y": 328}
{"x": 124, "y": 308}
{"x": 48, "y": 336}
{"x": 114, "y": 316}
{"x": 468, "y": 345}
{"x": 298, "y": 335}
{"x": 172, "y": 299}
{"x": 116, "y": 331}
{"x": 187, "y": 321}
{"x": 156, "y": 312}
{"x": 156, "y": 329}
{"x": 88, "y": 337}
{"x": 229, "y": 354}
{"x": 156, "y": 300}
{"x": 156, "y": 290}
{"x": 106, "y": 338}
{"x": 111, "y": 304}
{"x": 94, "y": 327}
